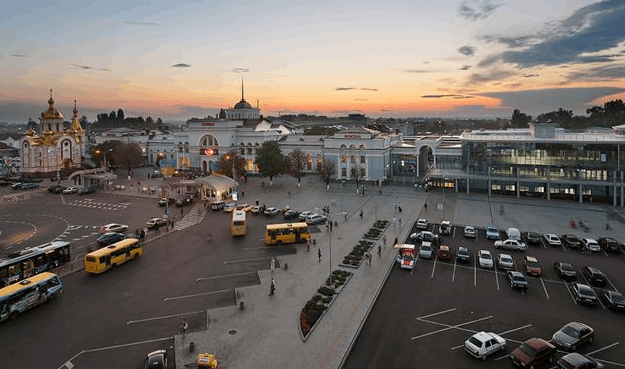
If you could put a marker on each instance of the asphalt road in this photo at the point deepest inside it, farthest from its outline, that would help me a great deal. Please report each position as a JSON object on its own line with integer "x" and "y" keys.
{"x": 422, "y": 318}
{"x": 114, "y": 319}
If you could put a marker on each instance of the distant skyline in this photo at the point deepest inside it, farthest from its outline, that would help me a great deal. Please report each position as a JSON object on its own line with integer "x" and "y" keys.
{"x": 393, "y": 59}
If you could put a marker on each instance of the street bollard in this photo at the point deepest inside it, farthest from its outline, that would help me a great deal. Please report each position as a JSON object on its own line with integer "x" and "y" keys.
{"x": 241, "y": 306}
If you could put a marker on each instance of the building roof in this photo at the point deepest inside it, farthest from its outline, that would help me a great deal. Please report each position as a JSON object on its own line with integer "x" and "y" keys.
{"x": 243, "y": 105}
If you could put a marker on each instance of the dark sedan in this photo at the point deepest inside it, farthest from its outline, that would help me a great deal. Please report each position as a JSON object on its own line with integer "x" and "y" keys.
{"x": 575, "y": 360}
{"x": 573, "y": 335}
{"x": 614, "y": 300}
{"x": 166, "y": 201}
{"x": 594, "y": 276}
{"x": 291, "y": 214}
{"x": 609, "y": 244}
{"x": 184, "y": 202}
{"x": 583, "y": 294}
{"x": 110, "y": 238}
{"x": 531, "y": 238}
{"x": 426, "y": 236}
{"x": 564, "y": 270}
{"x": 570, "y": 241}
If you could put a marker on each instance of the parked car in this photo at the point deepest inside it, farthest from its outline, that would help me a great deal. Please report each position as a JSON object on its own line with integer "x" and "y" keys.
{"x": 483, "y": 344}
{"x": 229, "y": 207}
{"x": 59, "y": 189}
{"x": 445, "y": 228}
{"x": 532, "y": 267}
{"x": 531, "y": 238}
{"x": 156, "y": 223}
{"x": 583, "y": 294}
{"x": 469, "y": 232}
{"x": 255, "y": 210}
{"x": 608, "y": 244}
{"x": 316, "y": 219}
{"x": 590, "y": 244}
{"x": 552, "y": 239}
{"x": 492, "y": 233}
{"x": 166, "y": 201}
{"x": 564, "y": 270}
{"x": 291, "y": 214}
{"x": 594, "y": 276}
{"x": 110, "y": 238}
{"x": 444, "y": 252}
{"x": 422, "y": 224}
{"x": 513, "y": 234}
{"x": 464, "y": 254}
{"x": 113, "y": 227}
{"x": 426, "y": 251}
{"x": 245, "y": 207}
{"x": 485, "y": 259}
{"x": 86, "y": 190}
{"x": 573, "y": 335}
{"x": 517, "y": 280}
{"x": 184, "y": 202}
{"x": 16, "y": 186}
{"x": 157, "y": 360}
{"x": 29, "y": 186}
{"x": 510, "y": 245}
{"x": 425, "y": 236}
{"x": 533, "y": 352}
{"x": 570, "y": 241}
{"x": 271, "y": 211}
{"x": 505, "y": 261}
{"x": 70, "y": 190}
{"x": 614, "y": 299}
{"x": 53, "y": 187}
{"x": 578, "y": 361}
{"x": 304, "y": 214}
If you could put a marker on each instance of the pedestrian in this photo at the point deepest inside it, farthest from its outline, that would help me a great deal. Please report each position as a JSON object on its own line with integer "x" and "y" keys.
{"x": 330, "y": 226}
{"x": 272, "y": 287}
{"x": 308, "y": 246}
{"x": 399, "y": 208}
{"x": 256, "y": 202}
{"x": 395, "y": 241}
{"x": 384, "y": 240}
{"x": 242, "y": 194}
{"x": 183, "y": 327}
{"x": 360, "y": 214}
{"x": 394, "y": 223}
{"x": 369, "y": 258}
{"x": 425, "y": 206}
{"x": 400, "y": 222}
{"x": 319, "y": 254}
{"x": 607, "y": 227}
{"x": 379, "y": 251}
{"x": 181, "y": 211}
{"x": 273, "y": 264}
{"x": 345, "y": 215}
{"x": 380, "y": 191}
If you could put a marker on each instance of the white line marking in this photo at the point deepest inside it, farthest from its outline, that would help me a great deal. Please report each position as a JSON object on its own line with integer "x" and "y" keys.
{"x": 195, "y": 295}
{"x": 243, "y": 260}
{"x": 223, "y": 276}
{"x": 544, "y": 287}
{"x": 127, "y": 344}
{"x": 162, "y": 317}
{"x": 603, "y": 348}
{"x": 515, "y": 329}
{"x": 433, "y": 266}
{"x": 475, "y": 273}
{"x": 453, "y": 275}
{"x": 451, "y": 327}
{"x": 496, "y": 278}
{"x": 440, "y": 312}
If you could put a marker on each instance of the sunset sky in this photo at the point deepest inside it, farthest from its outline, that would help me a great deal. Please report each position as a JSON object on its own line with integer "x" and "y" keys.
{"x": 182, "y": 59}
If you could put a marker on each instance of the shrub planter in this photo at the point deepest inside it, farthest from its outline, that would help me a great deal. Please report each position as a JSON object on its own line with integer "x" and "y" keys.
{"x": 357, "y": 255}
{"x": 317, "y": 306}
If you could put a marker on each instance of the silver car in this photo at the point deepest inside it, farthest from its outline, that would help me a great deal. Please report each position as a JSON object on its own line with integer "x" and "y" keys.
{"x": 426, "y": 251}
{"x": 510, "y": 245}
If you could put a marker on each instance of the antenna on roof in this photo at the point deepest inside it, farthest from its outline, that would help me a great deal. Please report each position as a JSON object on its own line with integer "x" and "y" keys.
{"x": 242, "y": 96}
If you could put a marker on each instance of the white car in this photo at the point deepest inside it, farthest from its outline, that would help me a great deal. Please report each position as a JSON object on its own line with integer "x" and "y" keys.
{"x": 469, "y": 232}
{"x": 305, "y": 214}
{"x": 426, "y": 251}
{"x": 69, "y": 190}
{"x": 510, "y": 245}
{"x": 422, "y": 224}
{"x": 505, "y": 261}
{"x": 483, "y": 344}
{"x": 445, "y": 227}
{"x": 113, "y": 227}
{"x": 590, "y": 244}
{"x": 492, "y": 233}
{"x": 485, "y": 259}
{"x": 552, "y": 239}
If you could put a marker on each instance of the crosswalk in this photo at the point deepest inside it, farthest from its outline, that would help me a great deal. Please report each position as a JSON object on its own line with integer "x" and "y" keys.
{"x": 192, "y": 217}
{"x": 89, "y": 203}
{"x": 73, "y": 230}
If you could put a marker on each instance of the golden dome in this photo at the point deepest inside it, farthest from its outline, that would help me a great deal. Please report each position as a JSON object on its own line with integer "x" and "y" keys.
{"x": 31, "y": 132}
{"x": 76, "y": 127}
{"x": 51, "y": 113}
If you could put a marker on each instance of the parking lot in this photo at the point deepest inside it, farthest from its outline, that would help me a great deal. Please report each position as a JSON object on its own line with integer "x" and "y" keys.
{"x": 427, "y": 313}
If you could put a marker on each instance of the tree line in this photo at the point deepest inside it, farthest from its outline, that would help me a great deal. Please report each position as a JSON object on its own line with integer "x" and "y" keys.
{"x": 610, "y": 114}
{"x": 116, "y": 120}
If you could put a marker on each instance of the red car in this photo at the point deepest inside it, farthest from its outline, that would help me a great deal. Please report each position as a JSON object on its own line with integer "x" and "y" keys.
{"x": 533, "y": 352}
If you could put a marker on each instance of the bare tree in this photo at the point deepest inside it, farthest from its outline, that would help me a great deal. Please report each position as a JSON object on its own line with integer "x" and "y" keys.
{"x": 326, "y": 171}
{"x": 295, "y": 162}
{"x": 126, "y": 154}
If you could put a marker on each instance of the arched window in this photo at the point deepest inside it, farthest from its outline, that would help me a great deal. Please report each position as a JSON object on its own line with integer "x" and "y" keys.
{"x": 209, "y": 140}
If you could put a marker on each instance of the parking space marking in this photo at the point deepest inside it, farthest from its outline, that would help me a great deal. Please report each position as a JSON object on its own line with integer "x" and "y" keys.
{"x": 434, "y": 266}
{"x": 434, "y": 314}
{"x": 496, "y": 277}
{"x": 604, "y": 348}
{"x": 223, "y": 276}
{"x": 475, "y": 274}
{"x": 195, "y": 295}
{"x": 162, "y": 317}
{"x": 570, "y": 294}
{"x": 453, "y": 274}
{"x": 544, "y": 287}
{"x": 448, "y": 326}
{"x": 243, "y": 260}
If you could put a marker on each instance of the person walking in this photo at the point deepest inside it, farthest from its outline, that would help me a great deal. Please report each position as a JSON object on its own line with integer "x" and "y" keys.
{"x": 272, "y": 287}
{"x": 308, "y": 246}
{"x": 379, "y": 250}
{"x": 360, "y": 213}
{"x": 425, "y": 206}
{"x": 183, "y": 327}
{"x": 319, "y": 254}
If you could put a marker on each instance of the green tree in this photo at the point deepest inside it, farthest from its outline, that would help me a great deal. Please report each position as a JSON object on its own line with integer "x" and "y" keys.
{"x": 225, "y": 164}
{"x": 126, "y": 155}
{"x": 270, "y": 160}
{"x": 520, "y": 120}
{"x": 295, "y": 162}
{"x": 356, "y": 172}
{"x": 326, "y": 171}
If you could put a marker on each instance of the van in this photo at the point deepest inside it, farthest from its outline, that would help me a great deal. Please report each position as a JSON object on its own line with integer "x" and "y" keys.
{"x": 513, "y": 234}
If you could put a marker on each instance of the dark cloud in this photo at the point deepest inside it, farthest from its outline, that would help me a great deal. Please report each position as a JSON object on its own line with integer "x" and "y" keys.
{"x": 492, "y": 75}
{"x": 368, "y": 89}
{"x": 240, "y": 70}
{"x": 541, "y": 101}
{"x": 181, "y": 65}
{"x": 465, "y": 67}
{"x": 590, "y": 29}
{"x": 478, "y": 10}
{"x": 599, "y": 73}
{"x": 530, "y": 75}
{"x": 86, "y": 67}
{"x": 344, "y": 88}
{"x": 445, "y": 96}
{"x": 512, "y": 41}
{"x": 141, "y": 23}
{"x": 19, "y": 55}
{"x": 489, "y": 60}
{"x": 467, "y": 50}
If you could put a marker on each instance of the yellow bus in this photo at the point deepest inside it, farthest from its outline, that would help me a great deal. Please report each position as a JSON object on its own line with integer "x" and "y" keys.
{"x": 28, "y": 293}
{"x": 101, "y": 260}
{"x": 238, "y": 227}
{"x": 287, "y": 233}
